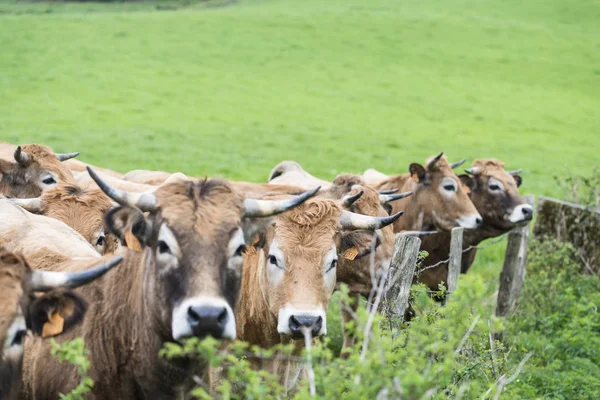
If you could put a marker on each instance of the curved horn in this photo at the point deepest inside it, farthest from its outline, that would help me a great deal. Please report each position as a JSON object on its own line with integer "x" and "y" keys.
{"x": 33, "y": 205}
{"x": 66, "y": 156}
{"x": 352, "y": 221}
{"x": 254, "y": 208}
{"x": 473, "y": 171}
{"x": 386, "y": 198}
{"x": 458, "y": 163}
{"x": 435, "y": 159}
{"x": 21, "y": 157}
{"x": 43, "y": 281}
{"x": 516, "y": 171}
{"x": 349, "y": 200}
{"x": 143, "y": 201}
{"x": 388, "y": 191}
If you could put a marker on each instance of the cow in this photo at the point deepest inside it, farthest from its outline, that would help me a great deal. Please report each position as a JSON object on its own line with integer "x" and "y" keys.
{"x": 288, "y": 278}
{"x": 182, "y": 282}
{"x": 291, "y": 173}
{"x": 146, "y": 177}
{"x": 35, "y": 168}
{"x": 85, "y": 180}
{"x": 22, "y": 309}
{"x": 494, "y": 192}
{"x": 82, "y": 209}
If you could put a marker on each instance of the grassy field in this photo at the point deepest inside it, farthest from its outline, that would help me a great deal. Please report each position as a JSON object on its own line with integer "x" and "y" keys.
{"x": 231, "y": 88}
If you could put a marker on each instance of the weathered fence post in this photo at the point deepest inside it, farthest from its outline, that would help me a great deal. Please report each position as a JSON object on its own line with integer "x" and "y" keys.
{"x": 400, "y": 277}
{"x": 454, "y": 263}
{"x": 512, "y": 276}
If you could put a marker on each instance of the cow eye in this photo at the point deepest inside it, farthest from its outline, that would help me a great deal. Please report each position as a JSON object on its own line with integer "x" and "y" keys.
{"x": 19, "y": 337}
{"x": 101, "y": 240}
{"x": 240, "y": 250}
{"x": 273, "y": 260}
{"x": 450, "y": 188}
{"x": 49, "y": 181}
{"x": 163, "y": 247}
{"x": 494, "y": 187}
{"x": 333, "y": 265}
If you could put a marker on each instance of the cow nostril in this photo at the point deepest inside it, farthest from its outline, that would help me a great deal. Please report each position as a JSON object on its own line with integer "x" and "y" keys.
{"x": 526, "y": 211}
{"x": 294, "y": 324}
{"x": 478, "y": 221}
{"x": 223, "y": 317}
{"x": 193, "y": 315}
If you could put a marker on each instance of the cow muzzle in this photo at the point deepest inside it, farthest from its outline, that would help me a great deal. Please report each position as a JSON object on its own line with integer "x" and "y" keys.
{"x": 203, "y": 316}
{"x": 521, "y": 214}
{"x": 295, "y": 323}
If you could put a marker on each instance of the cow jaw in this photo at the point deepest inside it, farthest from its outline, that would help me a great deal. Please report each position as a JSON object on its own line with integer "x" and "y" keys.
{"x": 313, "y": 320}
{"x": 202, "y": 316}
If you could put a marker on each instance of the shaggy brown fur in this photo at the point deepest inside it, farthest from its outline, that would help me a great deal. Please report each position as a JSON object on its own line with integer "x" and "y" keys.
{"x": 129, "y": 317}
{"x": 24, "y": 181}
{"x": 494, "y": 209}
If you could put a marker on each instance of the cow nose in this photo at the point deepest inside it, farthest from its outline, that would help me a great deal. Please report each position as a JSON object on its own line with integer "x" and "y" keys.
{"x": 207, "y": 320}
{"x": 299, "y": 323}
{"x": 527, "y": 212}
{"x": 478, "y": 221}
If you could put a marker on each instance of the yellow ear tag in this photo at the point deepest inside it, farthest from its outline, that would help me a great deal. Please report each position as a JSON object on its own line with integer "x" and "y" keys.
{"x": 54, "y": 326}
{"x": 250, "y": 250}
{"x": 415, "y": 177}
{"x": 350, "y": 254}
{"x": 132, "y": 242}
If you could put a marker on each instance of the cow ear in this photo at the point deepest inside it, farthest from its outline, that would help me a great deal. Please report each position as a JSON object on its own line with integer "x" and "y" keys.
{"x": 417, "y": 172}
{"x": 468, "y": 182}
{"x": 518, "y": 179}
{"x": 129, "y": 225}
{"x": 255, "y": 230}
{"x": 55, "y": 312}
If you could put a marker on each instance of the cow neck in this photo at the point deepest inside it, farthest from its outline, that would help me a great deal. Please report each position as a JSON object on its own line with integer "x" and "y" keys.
{"x": 255, "y": 321}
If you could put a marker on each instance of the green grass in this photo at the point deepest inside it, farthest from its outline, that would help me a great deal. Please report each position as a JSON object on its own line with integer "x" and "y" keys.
{"x": 231, "y": 88}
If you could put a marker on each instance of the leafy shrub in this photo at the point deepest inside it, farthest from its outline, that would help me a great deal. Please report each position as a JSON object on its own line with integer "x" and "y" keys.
{"x": 74, "y": 352}
{"x": 581, "y": 189}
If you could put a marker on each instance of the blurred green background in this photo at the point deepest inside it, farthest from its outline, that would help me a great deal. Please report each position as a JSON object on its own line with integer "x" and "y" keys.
{"x": 230, "y": 88}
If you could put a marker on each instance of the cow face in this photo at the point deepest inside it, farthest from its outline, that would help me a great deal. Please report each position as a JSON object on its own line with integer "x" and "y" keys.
{"x": 362, "y": 252}
{"x": 22, "y": 309}
{"x": 495, "y": 193}
{"x": 439, "y": 198}
{"x": 81, "y": 209}
{"x": 193, "y": 239}
{"x": 36, "y": 168}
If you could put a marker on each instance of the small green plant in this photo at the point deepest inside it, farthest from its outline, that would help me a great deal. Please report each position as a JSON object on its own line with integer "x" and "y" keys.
{"x": 75, "y": 353}
{"x": 581, "y": 189}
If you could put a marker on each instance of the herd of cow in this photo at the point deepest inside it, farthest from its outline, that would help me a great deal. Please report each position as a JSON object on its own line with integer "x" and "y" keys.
{"x": 198, "y": 257}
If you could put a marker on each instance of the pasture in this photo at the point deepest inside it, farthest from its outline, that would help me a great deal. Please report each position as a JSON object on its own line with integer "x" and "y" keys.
{"x": 230, "y": 88}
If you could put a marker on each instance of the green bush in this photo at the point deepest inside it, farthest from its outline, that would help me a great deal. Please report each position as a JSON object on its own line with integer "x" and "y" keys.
{"x": 74, "y": 352}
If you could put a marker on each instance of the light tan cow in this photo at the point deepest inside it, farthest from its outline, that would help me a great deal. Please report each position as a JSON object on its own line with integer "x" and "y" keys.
{"x": 33, "y": 168}
{"x": 146, "y": 176}
{"x": 288, "y": 278}
{"x": 183, "y": 283}
{"x": 291, "y": 173}
{"x": 22, "y": 309}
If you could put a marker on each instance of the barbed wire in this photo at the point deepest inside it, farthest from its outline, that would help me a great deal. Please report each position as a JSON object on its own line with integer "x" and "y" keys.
{"x": 488, "y": 244}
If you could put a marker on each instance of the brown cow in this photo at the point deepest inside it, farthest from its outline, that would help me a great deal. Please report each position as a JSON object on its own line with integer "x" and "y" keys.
{"x": 288, "y": 281}
{"x": 36, "y": 168}
{"x": 183, "y": 283}
{"x": 439, "y": 202}
{"x": 81, "y": 209}
{"x": 21, "y": 309}
{"x": 495, "y": 193}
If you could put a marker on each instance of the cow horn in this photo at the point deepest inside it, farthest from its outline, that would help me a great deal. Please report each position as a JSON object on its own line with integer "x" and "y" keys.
{"x": 43, "y": 281}
{"x": 388, "y": 191}
{"x": 435, "y": 159}
{"x": 516, "y": 171}
{"x": 352, "y": 221}
{"x": 66, "y": 156}
{"x": 386, "y": 198}
{"x": 349, "y": 200}
{"x": 143, "y": 201}
{"x": 21, "y": 157}
{"x": 33, "y": 205}
{"x": 254, "y": 208}
{"x": 458, "y": 163}
{"x": 473, "y": 171}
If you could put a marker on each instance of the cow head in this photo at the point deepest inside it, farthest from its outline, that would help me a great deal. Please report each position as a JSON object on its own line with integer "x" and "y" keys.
{"x": 363, "y": 252}
{"x": 495, "y": 193}
{"x": 298, "y": 263}
{"x": 36, "y": 168}
{"x": 81, "y": 208}
{"x": 439, "y": 200}
{"x": 22, "y": 309}
{"x": 192, "y": 240}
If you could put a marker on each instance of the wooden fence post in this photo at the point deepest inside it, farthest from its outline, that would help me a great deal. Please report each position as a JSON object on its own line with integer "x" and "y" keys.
{"x": 400, "y": 277}
{"x": 454, "y": 263}
{"x": 512, "y": 276}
